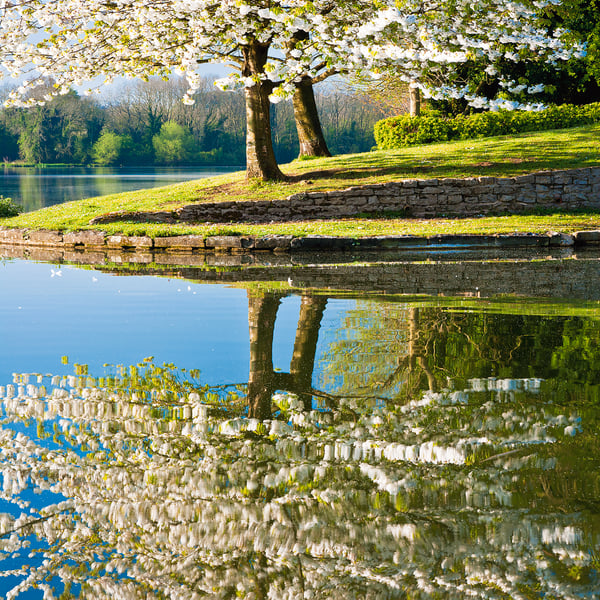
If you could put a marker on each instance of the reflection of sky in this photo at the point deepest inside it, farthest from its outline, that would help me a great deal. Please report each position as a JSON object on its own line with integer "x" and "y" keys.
{"x": 95, "y": 318}
{"x": 47, "y": 311}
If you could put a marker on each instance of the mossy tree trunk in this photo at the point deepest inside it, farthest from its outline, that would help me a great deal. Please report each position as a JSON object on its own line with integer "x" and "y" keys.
{"x": 262, "y": 313}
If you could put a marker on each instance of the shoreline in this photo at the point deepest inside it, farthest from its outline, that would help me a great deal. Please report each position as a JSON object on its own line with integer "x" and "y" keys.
{"x": 93, "y": 240}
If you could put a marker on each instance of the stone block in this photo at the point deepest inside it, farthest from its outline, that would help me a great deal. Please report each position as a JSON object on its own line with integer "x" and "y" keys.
{"x": 224, "y": 242}
{"x": 45, "y": 237}
{"x": 12, "y": 236}
{"x": 89, "y": 238}
{"x": 525, "y": 180}
{"x": 432, "y": 189}
{"x": 274, "y": 242}
{"x": 179, "y": 242}
{"x": 560, "y": 239}
{"x": 409, "y": 184}
{"x": 518, "y": 239}
{"x": 321, "y": 242}
{"x": 506, "y": 182}
{"x": 460, "y": 240}
{"x": 561, "y": 178}
{"x": 129, "y": 241}
{"x": 423, "y": 183}
{"x": 587, "y": 237}
{"x": 393, "y": 242}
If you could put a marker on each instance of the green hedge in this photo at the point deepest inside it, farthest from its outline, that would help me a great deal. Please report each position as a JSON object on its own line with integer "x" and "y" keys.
{"x": 398, "y": 132}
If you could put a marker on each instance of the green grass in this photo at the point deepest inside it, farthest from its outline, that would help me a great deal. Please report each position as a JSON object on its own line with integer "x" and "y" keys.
{"x": 501, "y": 156}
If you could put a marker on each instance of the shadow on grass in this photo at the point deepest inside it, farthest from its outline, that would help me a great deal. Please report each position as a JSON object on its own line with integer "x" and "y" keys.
{"x": 507, "y": 168}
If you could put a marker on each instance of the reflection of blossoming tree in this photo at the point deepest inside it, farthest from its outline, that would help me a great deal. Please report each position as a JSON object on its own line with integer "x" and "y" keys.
{"x": 168, "y": 490}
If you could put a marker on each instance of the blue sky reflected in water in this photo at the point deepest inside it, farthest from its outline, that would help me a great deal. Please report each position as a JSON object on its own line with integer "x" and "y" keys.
{"x": 47, "y": 311}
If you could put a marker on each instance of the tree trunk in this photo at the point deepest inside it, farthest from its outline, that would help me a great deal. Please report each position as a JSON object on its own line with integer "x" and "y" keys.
{"x": 414, "y": 101}
{"x": 308, "y": 125}
{"x": 260, "y": 157}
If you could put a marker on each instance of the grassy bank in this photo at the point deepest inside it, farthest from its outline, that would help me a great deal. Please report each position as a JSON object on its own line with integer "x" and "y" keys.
{"x": 504, "y": 156}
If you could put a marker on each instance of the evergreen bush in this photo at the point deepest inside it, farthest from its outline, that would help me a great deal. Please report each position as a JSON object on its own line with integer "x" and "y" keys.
{"x": 405, "y": 130}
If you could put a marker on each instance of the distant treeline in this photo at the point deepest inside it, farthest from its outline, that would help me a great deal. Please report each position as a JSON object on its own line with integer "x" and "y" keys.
{"x": 146, "y": 123}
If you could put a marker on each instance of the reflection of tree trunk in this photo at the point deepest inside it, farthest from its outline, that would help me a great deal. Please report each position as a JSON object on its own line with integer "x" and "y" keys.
{"x": 262, "y": 312}
{"x": 413, "y": 335}
{"x": 305, "y": 346}
{"x": 263, "y": 381}
{"x": 308, "y": 125}
{"x": 415, "y": 350}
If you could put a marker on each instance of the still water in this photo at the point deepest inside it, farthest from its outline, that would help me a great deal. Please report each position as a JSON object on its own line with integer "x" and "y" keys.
{"x": 35, "y": 187}
{"x": 163, "y": 437}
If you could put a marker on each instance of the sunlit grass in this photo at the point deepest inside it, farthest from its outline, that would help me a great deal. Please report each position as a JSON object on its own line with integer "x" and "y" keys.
{"x": 561, "y": 222}
{"x": 501, "y": 156}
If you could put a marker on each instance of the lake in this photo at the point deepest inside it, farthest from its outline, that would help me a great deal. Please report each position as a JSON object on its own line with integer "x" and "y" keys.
{"x": 37, "y": 187}
{"x": 399, "y": 429}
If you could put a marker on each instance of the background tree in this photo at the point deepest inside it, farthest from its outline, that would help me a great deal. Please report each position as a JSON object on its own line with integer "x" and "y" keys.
{"x": 108, "y": 148}
{"x": 173, "y": 144}
{"x": 216, "y": 122}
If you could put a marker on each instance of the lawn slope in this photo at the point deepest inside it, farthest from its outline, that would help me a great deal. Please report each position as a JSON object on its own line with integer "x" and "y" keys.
{"x": 501, "y": 156}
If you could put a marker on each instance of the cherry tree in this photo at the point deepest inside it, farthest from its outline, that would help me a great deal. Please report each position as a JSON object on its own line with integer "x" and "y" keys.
{"x": 274, "y": 47}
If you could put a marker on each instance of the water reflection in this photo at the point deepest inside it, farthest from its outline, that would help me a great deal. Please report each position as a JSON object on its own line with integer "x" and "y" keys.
{"x": 425, "y": 452}
{"x": 37, "y": 187}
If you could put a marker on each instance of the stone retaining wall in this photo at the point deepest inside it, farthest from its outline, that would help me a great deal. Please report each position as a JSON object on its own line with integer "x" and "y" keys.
{"x": 91, "y": 240}
{"x": 419, "y": 198}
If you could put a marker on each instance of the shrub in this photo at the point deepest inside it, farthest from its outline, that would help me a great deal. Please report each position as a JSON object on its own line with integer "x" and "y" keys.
{"x": 404, "y": 130}
{"x": 174, "y": 144}
{"x": 8, "y": 208}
